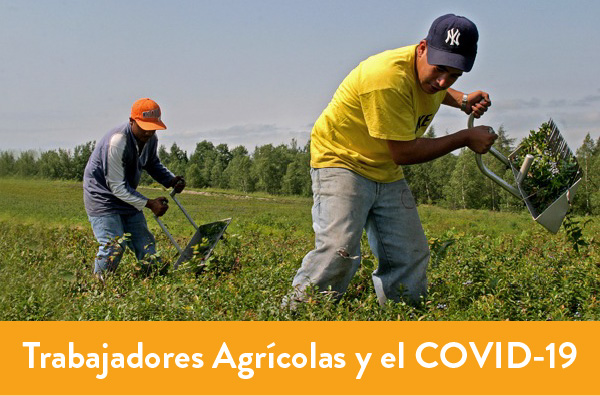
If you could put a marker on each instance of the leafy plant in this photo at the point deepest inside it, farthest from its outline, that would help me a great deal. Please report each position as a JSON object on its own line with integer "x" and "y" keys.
{"x": 552, "y": 171}
{"x": 497, "y": 268}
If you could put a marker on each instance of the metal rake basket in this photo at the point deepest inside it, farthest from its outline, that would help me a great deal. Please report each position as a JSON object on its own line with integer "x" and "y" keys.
{"x": 203, "y": 241}
{"x": 547, "y": 200}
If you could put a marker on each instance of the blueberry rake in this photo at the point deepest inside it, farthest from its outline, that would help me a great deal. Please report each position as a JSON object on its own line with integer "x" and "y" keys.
{"x": 203, "y": 241}
{"x": 548, "y": 213}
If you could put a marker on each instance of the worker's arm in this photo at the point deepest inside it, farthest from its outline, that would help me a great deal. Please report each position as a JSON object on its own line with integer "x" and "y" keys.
{"x": 115, "y": 178}
{"x": 479, "y": 139}
{"x": 155, "y": 167}
{"x": 115, "y": 174}
{"x": 477, "y": 102}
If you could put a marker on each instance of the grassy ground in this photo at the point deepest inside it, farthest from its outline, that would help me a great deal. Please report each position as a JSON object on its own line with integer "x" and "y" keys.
{"x": 485, "y": 265}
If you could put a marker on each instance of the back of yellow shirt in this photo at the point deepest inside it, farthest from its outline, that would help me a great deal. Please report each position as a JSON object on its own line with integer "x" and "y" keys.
{"x": 379, "y": 100}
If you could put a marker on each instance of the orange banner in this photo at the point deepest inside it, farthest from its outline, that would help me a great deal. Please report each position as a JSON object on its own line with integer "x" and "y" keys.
{"x": 299, "y": 358}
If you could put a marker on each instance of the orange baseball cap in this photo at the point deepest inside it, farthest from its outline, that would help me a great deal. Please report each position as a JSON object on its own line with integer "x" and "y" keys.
{"x": 146, "y": 114}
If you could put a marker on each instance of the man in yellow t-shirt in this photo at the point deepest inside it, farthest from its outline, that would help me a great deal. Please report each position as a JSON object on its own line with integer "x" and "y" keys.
{"x": 374, "y": 124}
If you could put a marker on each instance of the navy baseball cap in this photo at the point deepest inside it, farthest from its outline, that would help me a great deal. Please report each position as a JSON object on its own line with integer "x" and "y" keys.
{"x": 452, "y": 41}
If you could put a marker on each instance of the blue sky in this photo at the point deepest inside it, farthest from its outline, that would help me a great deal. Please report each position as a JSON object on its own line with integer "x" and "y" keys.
{"x": 256, "y": 72}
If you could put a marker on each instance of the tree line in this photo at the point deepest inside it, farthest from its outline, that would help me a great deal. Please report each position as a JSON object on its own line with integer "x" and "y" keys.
{"x": 452, "y": 181}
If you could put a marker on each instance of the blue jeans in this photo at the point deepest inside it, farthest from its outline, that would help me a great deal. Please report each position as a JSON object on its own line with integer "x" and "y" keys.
{"x": 110, "y": 227}
{"x": 345, "y": 203}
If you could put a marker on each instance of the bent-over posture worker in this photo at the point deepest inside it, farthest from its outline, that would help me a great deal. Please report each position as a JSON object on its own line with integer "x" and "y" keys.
{"x": 371, "y": 127}
{"x": 111, "y": 178}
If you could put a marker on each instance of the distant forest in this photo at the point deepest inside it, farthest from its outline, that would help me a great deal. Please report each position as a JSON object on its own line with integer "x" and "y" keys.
{"x": 453, "y": 181}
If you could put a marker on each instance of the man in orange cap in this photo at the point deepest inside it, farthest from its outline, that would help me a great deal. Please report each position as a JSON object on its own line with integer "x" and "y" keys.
{"x": 111, "y": 177}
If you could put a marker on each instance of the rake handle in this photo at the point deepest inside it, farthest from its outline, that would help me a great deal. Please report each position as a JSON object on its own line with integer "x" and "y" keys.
{"x": 172, "y": 194}
{"x": 495, "y": 178}
{"x": 164, "y": 228}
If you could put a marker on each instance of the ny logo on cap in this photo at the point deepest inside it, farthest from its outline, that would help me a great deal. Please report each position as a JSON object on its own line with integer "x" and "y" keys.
{"x": 155, "y": 113}
{"x": 453, "y": 35}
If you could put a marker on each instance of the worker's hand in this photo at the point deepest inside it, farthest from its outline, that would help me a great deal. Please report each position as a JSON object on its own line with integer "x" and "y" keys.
{"x": 158, "y": 206}
{"x": 178, "y": 184}
{"x": 480, "y": 138}
{"x": 477, "y": 103}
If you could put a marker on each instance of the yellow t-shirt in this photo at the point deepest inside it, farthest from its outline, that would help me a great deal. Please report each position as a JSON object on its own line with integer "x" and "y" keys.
{"x": 379, "y": 100}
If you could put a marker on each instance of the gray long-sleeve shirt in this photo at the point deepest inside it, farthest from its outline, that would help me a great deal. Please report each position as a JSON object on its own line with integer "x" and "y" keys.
{"x": 113, "y": 173}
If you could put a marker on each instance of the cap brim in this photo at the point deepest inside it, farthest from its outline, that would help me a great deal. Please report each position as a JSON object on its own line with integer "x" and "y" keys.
{"x": 151, "y": 125}
{"x": 445, "y": 58}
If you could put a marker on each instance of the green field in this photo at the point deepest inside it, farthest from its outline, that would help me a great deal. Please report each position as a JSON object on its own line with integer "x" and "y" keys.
{"x": 485, "y": 265}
